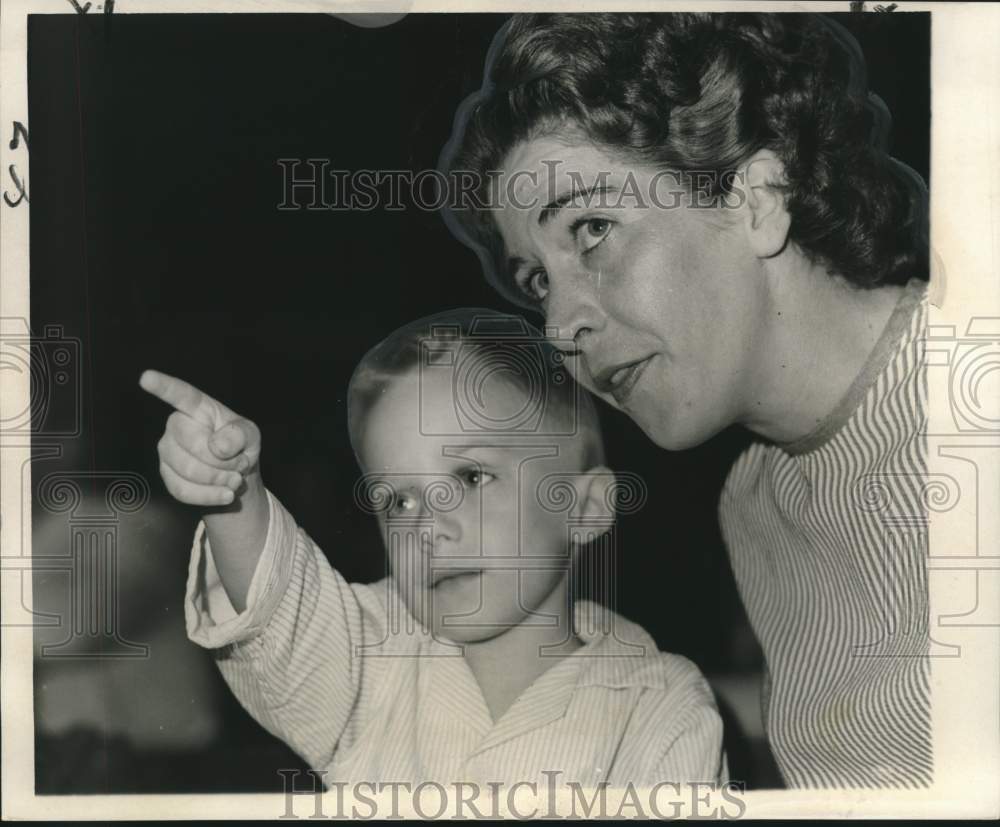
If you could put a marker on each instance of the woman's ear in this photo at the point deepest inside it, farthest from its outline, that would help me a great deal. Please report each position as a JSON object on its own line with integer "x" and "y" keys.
{"x": 767, "y": 219}
{"x": 595, "y": 505}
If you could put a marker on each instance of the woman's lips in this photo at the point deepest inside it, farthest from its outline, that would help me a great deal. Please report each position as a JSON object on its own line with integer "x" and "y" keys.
{"x": 624, "y": 380}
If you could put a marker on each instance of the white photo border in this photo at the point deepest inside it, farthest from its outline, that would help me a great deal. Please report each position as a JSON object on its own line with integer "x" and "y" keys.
{"x": 965, "y": 237}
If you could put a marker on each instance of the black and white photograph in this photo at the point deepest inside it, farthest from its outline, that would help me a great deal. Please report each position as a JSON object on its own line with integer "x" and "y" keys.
{"x": 487, "y": 412}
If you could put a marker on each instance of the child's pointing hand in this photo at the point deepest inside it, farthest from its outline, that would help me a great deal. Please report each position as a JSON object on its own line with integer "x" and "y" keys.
{"x": 207, "y": 452}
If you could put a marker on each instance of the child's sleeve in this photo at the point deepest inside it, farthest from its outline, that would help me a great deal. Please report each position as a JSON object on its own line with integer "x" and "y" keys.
{"x": 696, "y": 753}
{"x": 289, "y": 657}
{"x": 691, "y": 728}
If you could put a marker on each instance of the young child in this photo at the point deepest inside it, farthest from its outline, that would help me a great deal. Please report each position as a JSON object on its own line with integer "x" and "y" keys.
{"x": 469, "y": 662}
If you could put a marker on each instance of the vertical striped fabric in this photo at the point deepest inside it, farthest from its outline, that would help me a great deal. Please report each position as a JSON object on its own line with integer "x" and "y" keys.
{"x": 362, "y": 692}
{"x": 828, "y": 542}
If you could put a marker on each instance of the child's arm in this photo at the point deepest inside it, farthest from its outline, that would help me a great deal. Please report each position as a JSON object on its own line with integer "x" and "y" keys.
{"x": 294, "y": 658}
{"x": 286, "y": 639}
{"x": 209, "y": 458}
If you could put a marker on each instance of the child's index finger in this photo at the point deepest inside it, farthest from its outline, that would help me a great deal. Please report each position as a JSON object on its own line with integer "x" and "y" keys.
{"x": 178, "y": 394}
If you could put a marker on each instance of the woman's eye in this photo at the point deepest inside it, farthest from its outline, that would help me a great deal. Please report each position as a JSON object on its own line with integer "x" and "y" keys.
{"x": 536, "y": 285}
{"x": 478, "y": 478}
{"x": 590, "y": 232}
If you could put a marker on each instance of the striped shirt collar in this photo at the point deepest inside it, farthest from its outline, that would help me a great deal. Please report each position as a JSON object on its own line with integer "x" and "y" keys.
{"x": 616, "y": 654}
{"x": 886, "y": 347}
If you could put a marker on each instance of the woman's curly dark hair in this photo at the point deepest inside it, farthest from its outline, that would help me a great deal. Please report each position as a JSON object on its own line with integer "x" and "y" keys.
{"x": 703, "y": 92}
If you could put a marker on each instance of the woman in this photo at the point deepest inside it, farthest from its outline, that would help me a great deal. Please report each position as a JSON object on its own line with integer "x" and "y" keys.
{"x": 701, "y": 208}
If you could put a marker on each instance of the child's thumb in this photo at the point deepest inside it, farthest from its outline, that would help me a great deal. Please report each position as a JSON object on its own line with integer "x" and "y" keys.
{"x": 228, "y": 441}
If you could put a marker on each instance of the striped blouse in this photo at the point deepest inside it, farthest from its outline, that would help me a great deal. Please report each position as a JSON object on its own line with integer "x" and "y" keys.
{"x": 358, "y": 689}
{"x": 828, "y": 540}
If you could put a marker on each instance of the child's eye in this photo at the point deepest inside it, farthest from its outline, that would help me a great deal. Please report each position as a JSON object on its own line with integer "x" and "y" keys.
{"x": 477, "y": 478}
{"x": 403, "y": 503}
{"x": 590, "y": 232}
{"x": 535, "y": 285}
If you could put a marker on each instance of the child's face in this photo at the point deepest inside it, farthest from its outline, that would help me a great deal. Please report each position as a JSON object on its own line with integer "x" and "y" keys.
{"x": 467, "y": 528}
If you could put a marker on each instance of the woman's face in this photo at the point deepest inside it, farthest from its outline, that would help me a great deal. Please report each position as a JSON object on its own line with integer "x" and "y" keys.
{"x": 662, "y": 298}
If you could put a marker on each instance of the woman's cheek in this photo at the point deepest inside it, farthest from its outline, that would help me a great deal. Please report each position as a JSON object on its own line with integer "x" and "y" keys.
{"x": 573, "y": 366}
{"x": 631, "y": 265}
{"x": 632, "y": 286}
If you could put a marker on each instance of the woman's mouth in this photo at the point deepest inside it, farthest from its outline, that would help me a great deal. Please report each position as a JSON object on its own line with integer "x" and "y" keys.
{"x": 621, "y": 381}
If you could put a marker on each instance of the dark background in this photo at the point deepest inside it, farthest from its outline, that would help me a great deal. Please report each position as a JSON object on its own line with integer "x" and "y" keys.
{"x": 156, "y": 240}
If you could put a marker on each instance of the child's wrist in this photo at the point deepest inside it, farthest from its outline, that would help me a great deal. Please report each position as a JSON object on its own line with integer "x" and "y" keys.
{"x": 250, "y": 503}
{"x": 253, "y": 490}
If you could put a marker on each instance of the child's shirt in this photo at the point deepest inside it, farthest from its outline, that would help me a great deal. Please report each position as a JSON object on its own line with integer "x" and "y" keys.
{"x": 347, "y": 678}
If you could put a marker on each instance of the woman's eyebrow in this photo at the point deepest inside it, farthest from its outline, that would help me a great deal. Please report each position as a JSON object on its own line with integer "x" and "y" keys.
{"x": 550, "y": 209}
{"x": 515, "y": 263}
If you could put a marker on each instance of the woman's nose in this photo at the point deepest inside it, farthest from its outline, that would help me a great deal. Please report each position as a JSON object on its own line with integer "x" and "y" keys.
{"x": 572, "y": 312}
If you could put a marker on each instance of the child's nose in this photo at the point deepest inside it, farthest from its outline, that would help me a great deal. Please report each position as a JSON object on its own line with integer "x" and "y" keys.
{"x": 447, "y": 531}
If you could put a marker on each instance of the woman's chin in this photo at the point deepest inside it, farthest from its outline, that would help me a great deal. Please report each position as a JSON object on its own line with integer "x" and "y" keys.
{"x": 672, "y": 433}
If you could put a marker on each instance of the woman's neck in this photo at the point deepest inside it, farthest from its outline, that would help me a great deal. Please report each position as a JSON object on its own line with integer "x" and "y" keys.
{"x": 819, "y": 334}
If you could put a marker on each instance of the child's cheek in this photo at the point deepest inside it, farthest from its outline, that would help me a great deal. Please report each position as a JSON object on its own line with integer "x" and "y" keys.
{"x": 497, "y": 533}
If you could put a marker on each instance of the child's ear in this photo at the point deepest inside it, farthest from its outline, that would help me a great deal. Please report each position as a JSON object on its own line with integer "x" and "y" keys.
{"x": 595, "y": 504}
{"x": 767, "y": 219}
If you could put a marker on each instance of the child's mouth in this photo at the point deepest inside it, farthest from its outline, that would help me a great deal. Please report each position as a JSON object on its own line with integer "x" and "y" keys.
{"x": 454, "y": 578}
